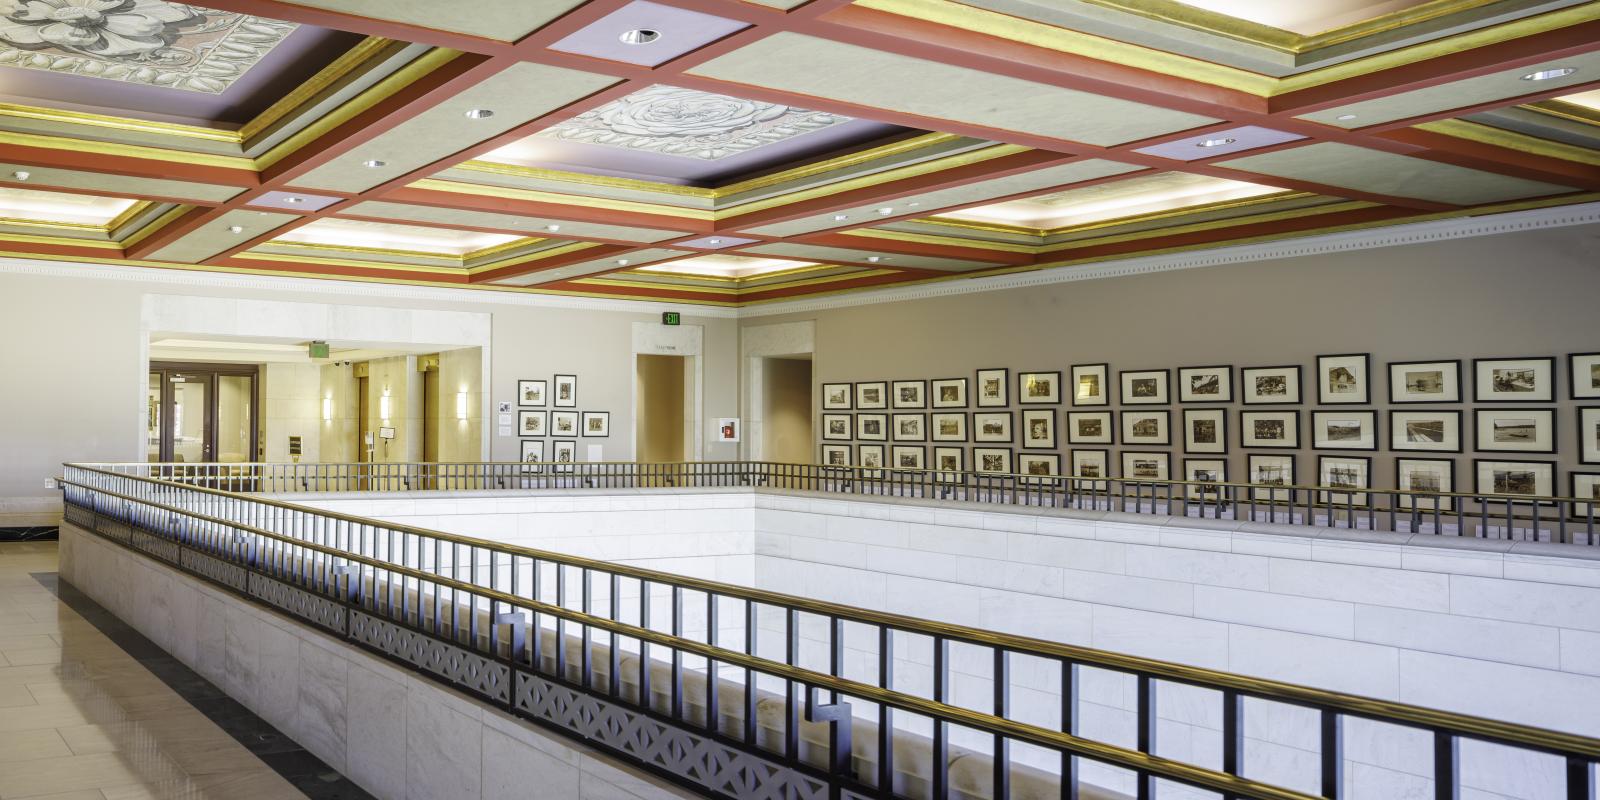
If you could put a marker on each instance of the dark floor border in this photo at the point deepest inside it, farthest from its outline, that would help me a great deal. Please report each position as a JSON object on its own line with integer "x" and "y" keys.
{"x": 30, "y": 533}
{"x": 307, "y": 773}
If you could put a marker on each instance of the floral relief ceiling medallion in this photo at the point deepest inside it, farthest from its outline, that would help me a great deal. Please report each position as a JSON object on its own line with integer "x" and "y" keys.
{"x": 150, "y": 42}
{"x": 690, "y": 123}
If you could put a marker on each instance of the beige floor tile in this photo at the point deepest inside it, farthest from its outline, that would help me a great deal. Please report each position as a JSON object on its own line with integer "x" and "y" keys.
{"x": 23, "y": 658}
{"x": 87, "y": 794}
{"x": 64, "y": 774}
{"x": 30, "y": 745}
{"x": 14, "y": 695}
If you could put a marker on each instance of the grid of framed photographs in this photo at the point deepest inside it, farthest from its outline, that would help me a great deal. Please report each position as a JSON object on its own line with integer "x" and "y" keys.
{"x": 1002, "y": 416}
{"x": 540, "y": 414}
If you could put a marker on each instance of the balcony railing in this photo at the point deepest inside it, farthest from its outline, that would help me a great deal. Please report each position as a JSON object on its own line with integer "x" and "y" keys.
{"x": 1471, "y": 514}
{"x": 712, "y": 686}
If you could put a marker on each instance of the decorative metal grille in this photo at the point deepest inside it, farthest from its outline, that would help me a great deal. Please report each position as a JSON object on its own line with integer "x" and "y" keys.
{"x": 216, "y": 569}
{"x": 461, "y": 667}
{"x": 154, "y": 545}
{"x": 298, "y": 602}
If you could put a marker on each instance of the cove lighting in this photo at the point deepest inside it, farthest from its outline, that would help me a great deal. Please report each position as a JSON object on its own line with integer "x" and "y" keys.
{"x": 640, "y": 36}
{"x": 461, "y": 405}
{"x": 1548, "y": 74}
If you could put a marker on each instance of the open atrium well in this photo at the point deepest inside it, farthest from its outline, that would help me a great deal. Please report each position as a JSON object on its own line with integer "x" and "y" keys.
{"x": 800, "y": 399}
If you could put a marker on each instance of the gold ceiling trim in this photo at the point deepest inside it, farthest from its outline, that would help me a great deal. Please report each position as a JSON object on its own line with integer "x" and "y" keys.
{"x": 364, "y": 51}
{"x": 605, "y": 281}
{"x": 1221, "y": 205}
{"x": 496, "y": 249}
{"x": 155, "y": 225}
{"x": 582, "y": 201}
{"x": 61, "y": 241}
{"x": 139, "y": 151}
{"x": 724, "y": 279}
{"x": 1511, "y": 140}
{"x": 1209, "y": 225}
{"x": 901, "y": 147}
{"x": 354, "y": 250}
{"x": 948, "y": 241}
{"x": 529, "y": 258}
{"x": 714, "y": 290}
{"x": 253, "y": 255}
{"x": 127, "y": 214}
{"x": 543, "y": 174}
{"x": 1567, "y": 111}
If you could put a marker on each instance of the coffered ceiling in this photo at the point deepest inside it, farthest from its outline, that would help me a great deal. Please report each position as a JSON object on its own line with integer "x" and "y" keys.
{"x": 730, "y": 152}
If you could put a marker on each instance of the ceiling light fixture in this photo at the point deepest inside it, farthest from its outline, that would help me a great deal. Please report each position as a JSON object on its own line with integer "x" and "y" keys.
{"x": 22, "y": 174}
{"x": 374, "y": 164}
{"x": 295, "y": 200}
{"x": 874, "y": 259}
{"x": 552, "y": 228}
{"x": 622, "y": 262}
{"x": 639, "y": 36}
{"x": 1215, "y": 142}
{"x": 886, "y": 211}
{"x": 1548, "y": 74}
{"x": 715, "y": 241}
{"x": 1345, "y": 117}
{"x": 235, "y": 229}
{"x": 479, "y": 113}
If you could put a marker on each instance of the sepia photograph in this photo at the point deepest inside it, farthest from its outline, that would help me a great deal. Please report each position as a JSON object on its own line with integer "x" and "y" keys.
{"x": 991, "y": 426}
{"x": 1089, "y": 427}
{"x": 991, "y": 459}
{"x": 948, "y": 459}
{"x": 1425, "y": 475}
{"x": 1039, "y": 466}
{"x": 908, "y": 457}
{"x": 836, "y": 397}
{"x": 532, "y": 451}
{"x": 1089, "y": 384}
{"x": 836, "y": 427}
{"x": 1589, "y": 435}
{"x": 1144, "y": 387}
{"x": 1034, "y": 388}
{"x": 1342, "y": 379}
{"x": 992, "y": 392}
{"x": 1344, "y": 430}
{"x": 1516, "y": 430}
{"x": 1205, "y": 430}
{"x": 1514, "y": 380}
{"x": 564, "y": 423}
{"x": 909, "y": 394}
{"x": 1270, "y": 385}
{"x": 910, "y": 427}
{"x": 1425, "y": 381}
{"x": 1425, "y": 431}
{"x": 872, "y": 427}
{"x": 1585, "y": 485}
{"x": 1270, "y": 429}
{"x": 871, "y": 455}
{"x": 1039, "y": 429}
{"x": 531, "y": 423}
{"x": 1344, "y": 472}
{"x": 1090, "y": 464}
{"x": 1146, "y": 427}
{"x": 1212, "y": 384}
{"x": 1203, "y": 474}
{"x": 836, "y": 455}
{"x": 531, "y": 393}
{"x": 1583, "y": 375}
{"x": 950, "y": 393}
{"x": 872, "y": 395}
{"x": 1271, "y": 471}
{"x": 1525, "y": 478}
{"x": 1137, "y": 466}
{"x": 564, "y": 452}
{"x": 566, "y": 392}
{"x": 950, "y": 426}
{"x": 1434, "y": 431}
{"x": 597, "y": 423}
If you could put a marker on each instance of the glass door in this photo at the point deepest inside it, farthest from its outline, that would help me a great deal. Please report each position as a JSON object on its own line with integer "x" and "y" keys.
{"x": 201, "y": 413}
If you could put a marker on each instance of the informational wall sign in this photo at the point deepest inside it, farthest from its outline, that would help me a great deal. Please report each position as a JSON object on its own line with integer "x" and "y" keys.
{"x": 386, "y": 433}
{"x": 503, "y": 406}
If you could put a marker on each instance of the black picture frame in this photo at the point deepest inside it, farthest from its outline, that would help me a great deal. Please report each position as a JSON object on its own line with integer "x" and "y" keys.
{"x": 1025, "y": 385}
{"x": 541, "y": 429}
{"x": 1247, "y": 429}
{"x": 1102, "y": 375}
{"x": 865, "y": 421}
{"x": 896, "y": 451}
{"x": 1026, "y": 462}
{"x": 1219, "y": 434}
{"x": 942, "y": 454}
{"x": 533, "y": 448}
{"x": 1448, "y": 485}
{"x": 1195, "y": 487}
{"x": 1478, "y": 465}
{"x": 936, "y": 422}
{"x": 1256, "y": 465}
{"x": 1399, "y": 424}
{"x": 863, "y": 390}
{"x": 998, "y": 378}
{"x": 829, "y": 427}
{"x": 847, "y": 451}
{"x": 1108, "y": 426}
{"x": 1164, "y": 457}
{"x": 556, "y": 448}
{"x": 570, "y": 428}
{"x": 1371, "y": 434}
{"x": 867, "y": 454}
{"x": 587, "y": 429}
{"x": 1344, "y": 495}
{"x": 978, "y": 423}
{"x": 1030, "y": 416}
{"x": 525, "y": 386}
{"x": 830, "y": 393}
{"x": 1583, "y": 364}
{"x": 566, "y": 391}
{"x": 1400, "y": 395}
{"x": 1126, "y": 418}
{"x": 1224, "y": 383}
{"x": 1548, "y": 395}
{"x": 919, "y": 387}
{"x": 1581, "y": 510}
{"x": 936, "y": 393}
{"x": 1105, "y": 464}
{"x": 921, "y": 425}
{"x": 980, "y": 463}
{"x": 1480, "y": 446}
{"x": 1248, "y": 385}
{"x": 1130, "y": 387}
{"x": 1362, "y": 394}
{"x": 1588, "y": 434}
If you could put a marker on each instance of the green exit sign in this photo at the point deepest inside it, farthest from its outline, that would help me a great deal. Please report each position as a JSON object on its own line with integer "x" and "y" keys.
{"x": 319, "y": 349}
{"x": 670, "y": 318}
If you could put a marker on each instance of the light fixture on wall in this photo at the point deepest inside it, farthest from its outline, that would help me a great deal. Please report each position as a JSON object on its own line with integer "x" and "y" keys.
{"x": 383, "y": 405}
{"x": 327, "y": 408}
{"x": 461, "y": 405}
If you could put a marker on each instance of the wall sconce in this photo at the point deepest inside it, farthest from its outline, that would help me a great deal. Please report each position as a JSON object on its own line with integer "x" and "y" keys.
{"x": 383, "y": 404}
{"x": 461, "y": 405}
{"x": 327, "y": 408}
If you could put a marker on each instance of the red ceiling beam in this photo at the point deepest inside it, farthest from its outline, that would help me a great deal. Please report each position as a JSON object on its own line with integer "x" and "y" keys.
{"x": 128, "y": 166}
{"x": 561, "y": 211}
{"x": 554, "y": 262}
{"x": 1477, "y": 155}
{"x": 338, "y": 20}
{"x": 288, "y": 264}
{"x": 902, "y": 247}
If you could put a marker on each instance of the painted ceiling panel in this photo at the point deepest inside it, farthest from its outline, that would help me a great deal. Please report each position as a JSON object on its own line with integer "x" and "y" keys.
{"x": 506, "y": 222}
{"x": 807, "y": 65}
{"x": 505, "y": 20}
{"x": 1375, "y": 171}
{"x": 599, "y": 265}
{"x": 1502, "y": 85}
{"x": 864, "y": 256}
{"x": 121, "y": 184}
{"x": 216, "y": 236}
{"x": 1144, "y": 194}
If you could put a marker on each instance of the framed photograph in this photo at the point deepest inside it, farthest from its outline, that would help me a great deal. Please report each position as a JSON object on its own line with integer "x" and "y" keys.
{"x": 948, "y": 426}
{"x": 991, "y": 426}
{"x": 909, "y": 394}
{"x": 948, "y": 459}
{"x": 1432, "y": 431}
{"x": 1270, "y": 386}
{"x": 1203, "y": 475}
{"x": 1091, "y": 464}
{"x": 1344, "y": 472}
{"x": 1514, "y": 430}
{"x": 909, "y": 456}
{"x": 1205, "y": 384}
{"x": 1589, "y": 435}
{"x": 1583, "y": 374}
{"x": 872, "y": 427}
{"x": 836, "y": 397}
{"x": 1514, "y": 380}
{"x": 566, "y": 391}
{"x": 564, "y": 423}
{"x": 1515, "y": 478}
{"x": 1039, "y": 467}
{"x": 1425, "y": 381}
{"x": 992, "y": 388}
{"x": 950, "y": 393}
{"x": 1140, "y": 466}
{"x": 1587, "y": 486}
{"x": 564, "y": 451}
{"x": 1268, "y": 471}
{"x": 870, "y": 455}
{"x": 1344, "y": 430}
{"x": 872, "y": 395}
{"x": 910, "y": 428}
{"x": 1090, "y": 427}
{"x": 1425, "y": 475}
{"x": 1151, "y": 427}
{"x": 531, "y": 393}
{"x": 1039, "y": 429}
{"x": 532, "y": 423}
{"x": 1089, "y": 385}
{"x": 532, "y": 451}
{"x": 836, "y": 427}
{"x": 1144, "y": 387}
{"x": 1034, "y": 388}
{"x": 598, "y": 423}
{"x": 836, "y": 455}
{"x": 1275, "y": 429}
{"x": 727, "y": 428}
{"x": 1344, "y": 379}
{"x": 991, "y": 460}
{"x": 1205, "y": 430}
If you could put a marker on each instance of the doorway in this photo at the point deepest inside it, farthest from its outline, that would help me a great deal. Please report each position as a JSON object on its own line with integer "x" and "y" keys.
{"x": 201, "y": 413}
{"x": 659, "y": 410}
{"x": 786, "y": 410}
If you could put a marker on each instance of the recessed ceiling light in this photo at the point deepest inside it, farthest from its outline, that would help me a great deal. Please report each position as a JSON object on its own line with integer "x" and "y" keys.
{"x": 913, "y": 204}
{"x": 622, "y": 262}
{"x": 874, "y": 259}
{"x": 840, "y": 217}
{"x": 886, "y": 211}
{"x": 235, "y": 229}
{"x": 639, "y": 36}
{"x": 480, "y": 113}
{"x": 374, "y": 164}
{"x": 1345, "y": 117}
{"x": 715, "y": 241}
{"x": 552, "y": 228}
{"x": 1215, "y": 142}
{"x": 295, "y": 200}
{"x": 22, "y": 174}
{"x": 1547, "y": 74}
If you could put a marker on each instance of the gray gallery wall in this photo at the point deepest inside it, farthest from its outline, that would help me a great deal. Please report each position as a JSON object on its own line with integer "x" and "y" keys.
{"x": 1521, "y": 294}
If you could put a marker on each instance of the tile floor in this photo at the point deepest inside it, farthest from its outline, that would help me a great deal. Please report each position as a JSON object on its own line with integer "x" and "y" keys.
{"x": 91, "y": 710}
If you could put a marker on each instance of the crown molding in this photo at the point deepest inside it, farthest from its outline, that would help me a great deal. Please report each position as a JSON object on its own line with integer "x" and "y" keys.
{"x": 157, "y": 279}
{"x": 1403, "y": 234}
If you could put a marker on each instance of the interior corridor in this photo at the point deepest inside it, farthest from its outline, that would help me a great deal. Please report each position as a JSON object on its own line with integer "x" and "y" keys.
{"x": 91, "y": 710}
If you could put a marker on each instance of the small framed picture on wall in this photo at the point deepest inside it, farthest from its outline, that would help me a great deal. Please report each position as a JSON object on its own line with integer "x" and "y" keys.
{"x": 836, "y": 397}
{"x": 872, "y": 395}
{"x": 1270, "y": 386}
{"x": 1515, "y": 430}
{"x": 910, "y": 427}
{"x": 1205, "y": 384}
{"x": 909, "y": 456}
{"x": 1039, "y": 429}
{"x": 1344, "y": 430}
{"x": 872, "y": 427}
{"x": 948, "y": 426}
{"x": 530, "y": 393}
{"x": 836, "y": 455}
{"x": 1515, "y": 478}
{"x": 949, "y": 393}
{"x": 1425, "y": 475}
{"x": 531, "y": 423}
{"x": 1589, "y": 435}
{"x": 597, "y": 423}
{"x": 1039, "y": 467}
{"x": 1514, "y": 380}
{"x": 566, "y": 391}
{"x": 1274, "y": 429}
{"x": 1271, "y": 470}
{"x": 564, "y": 423}
{"x": 1143, "y": 466}
{"x": 1583, "y": 374}
{"x": 1146, "y": 427}
{"x": 991, "y": 426}
{"x": 1432, "y": 431}
{"x": 992, "y": 460}
{"x": 1144, "y": 387}
{"x": 836, "y": 427}
{"x": 1035, "y": 388}
{"x": 992, "y": 388}
{"x": 1205, "y": 430}
{"x": 909, "y": 394}
{"x": 1089, "y": 385}
{"x": 1344, "y": 379}
{"x": 1090, "y": 427}
{"x": 948, "y": 459}
{"x": 1424, "y": 382}
{"x": 1344, "y": 473}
